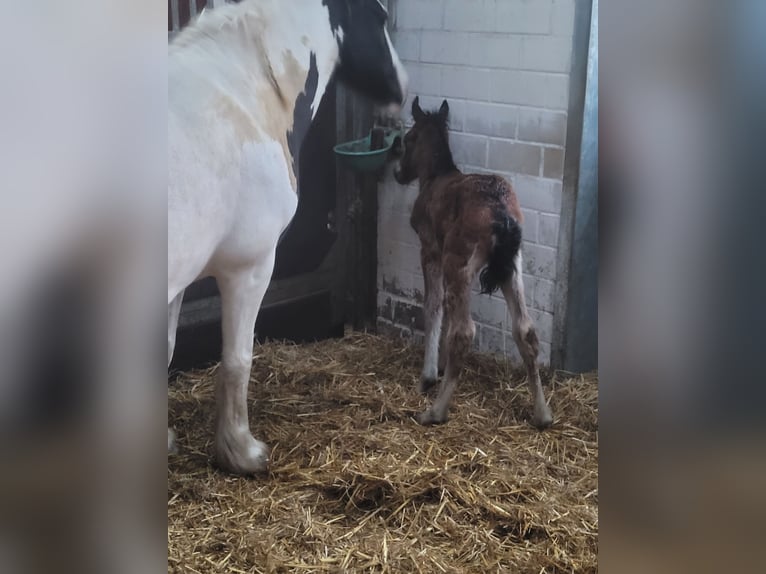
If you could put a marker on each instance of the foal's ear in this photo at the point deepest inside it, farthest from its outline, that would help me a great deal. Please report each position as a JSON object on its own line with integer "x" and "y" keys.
{"x": 444, "y": 111}
{"x": 417, "y": 112}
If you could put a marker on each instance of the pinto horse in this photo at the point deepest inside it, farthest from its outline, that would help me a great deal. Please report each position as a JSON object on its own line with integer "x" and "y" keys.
{"x": 244, "y": 83}
{"x": 465, "y": 222}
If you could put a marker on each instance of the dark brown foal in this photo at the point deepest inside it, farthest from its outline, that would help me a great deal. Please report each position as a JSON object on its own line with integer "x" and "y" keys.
{"x": 466, "y": 223}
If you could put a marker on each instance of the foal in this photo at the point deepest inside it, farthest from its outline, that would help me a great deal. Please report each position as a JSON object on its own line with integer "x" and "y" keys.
{"x": 465, "y": 222}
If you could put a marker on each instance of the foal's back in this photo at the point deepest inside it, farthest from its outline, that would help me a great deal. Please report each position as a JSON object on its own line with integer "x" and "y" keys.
{"x": 465, "y": 206}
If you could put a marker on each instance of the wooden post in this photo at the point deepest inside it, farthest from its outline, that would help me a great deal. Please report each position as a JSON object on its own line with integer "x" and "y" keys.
{"x": 358, "y": 217}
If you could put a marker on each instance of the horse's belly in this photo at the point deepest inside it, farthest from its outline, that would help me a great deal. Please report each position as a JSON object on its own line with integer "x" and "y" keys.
{"x": 202, "y": 204}
{"x": 266, "y": 204}
{"x": 225, "y": 211}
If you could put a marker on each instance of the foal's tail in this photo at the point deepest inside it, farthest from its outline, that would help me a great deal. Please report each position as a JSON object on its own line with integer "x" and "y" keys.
{"x": 500, "y": 266}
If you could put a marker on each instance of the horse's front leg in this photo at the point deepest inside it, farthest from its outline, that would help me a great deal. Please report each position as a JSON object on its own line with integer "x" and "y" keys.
{"x": 241, "y": 296}
{"x": 433, "y": 311}
{"x": 174, "y": 312}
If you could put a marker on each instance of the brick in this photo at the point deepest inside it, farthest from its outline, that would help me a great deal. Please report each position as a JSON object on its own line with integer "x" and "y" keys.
{"x": 393, "y": 281}
{"x": 557, "y": 94}
{"x": 542, "y": 126}
{"x": 395, "y": 199}
{"x": 469, "y": 149}
{"x": 562, "y": 22}
{"x": 512, "y": 350}
{"x": 495, "y": 51}
{"x": 545, "y": 291}
{"x": 491, "y": 340}
{"x": 523, "y": 16}
{"x": 469, "y": 15}
{"x": 407, "y": 44}
{"x": 546, "y": 53}
{"x": 529, "y": 287}
{"x": 466, "y": 83}
{"x": 424, "y": 79}
{"x": 456, "y": 110}
{"x": 490, "y": 311}
{"x": 440, "y": 47}
{"x": 553, "y": 163}
{"x": 385, "y": 307}
{"x": 515, "y": 157}
{"x": 395, "y": 227}
{"x": 529, "y": 229}
{"x": 538, "y": 194}
{"x": 409, "y": 315}
{"x": 418, "y": 287}
{"x": 543, "y": 323}
{"x": 491, "y": 119}
{"x": 516, "y": 87}
{"x": 544, "y": 355}
{"x": 419, "y": 14}
{"x": 539, "y": 260}
{"x": 408, "y": 258}
{"x": 549, "y": 229}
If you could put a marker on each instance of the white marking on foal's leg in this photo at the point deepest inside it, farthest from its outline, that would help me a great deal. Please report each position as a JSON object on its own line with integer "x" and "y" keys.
{"x": 526, "y": 339}
{"x": 433, "y": 313}
{"x": 174, "y": 312}
{"x": 241, "y": 296}
{"x": 460, "y": 337}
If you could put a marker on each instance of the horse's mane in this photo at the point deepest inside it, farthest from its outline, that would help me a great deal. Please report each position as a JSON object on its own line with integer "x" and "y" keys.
{"x": 209, "y": 22}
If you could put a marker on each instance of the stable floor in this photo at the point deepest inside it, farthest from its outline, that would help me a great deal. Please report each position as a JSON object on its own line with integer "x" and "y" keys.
{"x": 357, "y": 486}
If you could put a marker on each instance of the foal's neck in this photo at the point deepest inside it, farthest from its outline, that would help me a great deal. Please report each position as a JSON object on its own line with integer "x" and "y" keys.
{"x": 441, "y": 164}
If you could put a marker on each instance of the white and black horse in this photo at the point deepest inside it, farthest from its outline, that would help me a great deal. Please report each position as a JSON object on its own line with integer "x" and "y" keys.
{"x": 244, "y": 83}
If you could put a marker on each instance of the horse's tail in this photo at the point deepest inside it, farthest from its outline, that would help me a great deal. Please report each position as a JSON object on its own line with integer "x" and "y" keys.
{"x": 506, "y": 233}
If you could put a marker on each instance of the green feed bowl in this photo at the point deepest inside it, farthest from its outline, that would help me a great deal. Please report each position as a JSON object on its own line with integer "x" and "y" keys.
{"x": 357, "y": 156}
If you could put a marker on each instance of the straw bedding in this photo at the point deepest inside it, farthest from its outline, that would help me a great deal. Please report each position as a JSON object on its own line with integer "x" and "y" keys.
{"x": 357, "y": 486}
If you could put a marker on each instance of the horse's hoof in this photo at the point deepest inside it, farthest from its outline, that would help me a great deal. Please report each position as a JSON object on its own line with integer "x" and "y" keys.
{"x": 427, "y": 418}
{"x": 543, "y": 419}
{"x": 426, "y": 384}
{"x": 172, "y": 442}
{"x": 241, "y": 454}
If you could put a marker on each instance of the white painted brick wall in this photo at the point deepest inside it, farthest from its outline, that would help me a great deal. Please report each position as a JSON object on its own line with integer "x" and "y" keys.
{"x": 504, "y": 67}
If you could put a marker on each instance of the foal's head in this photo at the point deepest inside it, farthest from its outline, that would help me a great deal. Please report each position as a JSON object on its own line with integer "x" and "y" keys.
{"x": 426, "y": 146}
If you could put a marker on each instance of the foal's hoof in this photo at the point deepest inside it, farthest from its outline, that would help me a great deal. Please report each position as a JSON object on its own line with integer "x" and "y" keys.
{"x": 426, "y": 384}
{"x": 241, "y": 454}
{"x": 427, "y": 418}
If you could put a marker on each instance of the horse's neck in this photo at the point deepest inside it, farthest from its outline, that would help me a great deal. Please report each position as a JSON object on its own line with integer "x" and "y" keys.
{"x": 271, "y": 44}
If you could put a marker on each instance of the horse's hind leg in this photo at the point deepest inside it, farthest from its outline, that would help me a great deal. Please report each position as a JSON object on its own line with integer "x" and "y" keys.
{"x": 457, "y": 276}
{"x": 174, "y": 311}
{"x": 241, "y": 296}
{"x": 526, "y": 339}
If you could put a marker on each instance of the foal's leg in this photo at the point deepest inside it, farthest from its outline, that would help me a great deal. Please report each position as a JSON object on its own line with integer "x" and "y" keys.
{"x": 526, "y": 339}
{"x": 174, "y": 311}
{"x": 457, "y": 275}
{"x": 241, "y": 296}
{"x": 434, "y": 298}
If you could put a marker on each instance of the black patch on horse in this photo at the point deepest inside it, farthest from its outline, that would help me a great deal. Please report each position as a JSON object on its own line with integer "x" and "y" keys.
{"x": 366, "y": 64}
{"x": 302, "y": 114}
